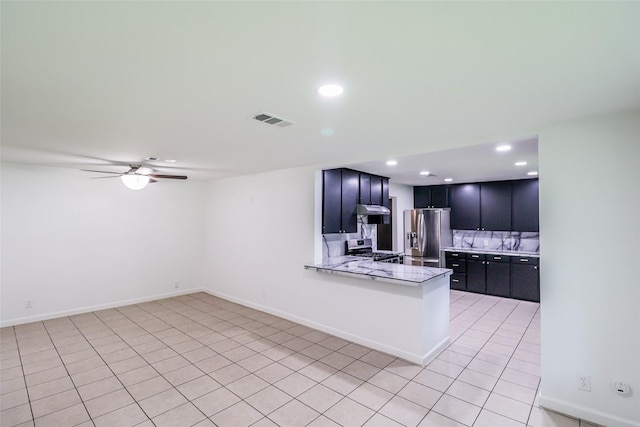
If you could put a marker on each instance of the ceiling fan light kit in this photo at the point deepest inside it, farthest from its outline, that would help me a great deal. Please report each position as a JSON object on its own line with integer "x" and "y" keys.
{"x": 135, "y": 181}
{"x": 138, "y": 176}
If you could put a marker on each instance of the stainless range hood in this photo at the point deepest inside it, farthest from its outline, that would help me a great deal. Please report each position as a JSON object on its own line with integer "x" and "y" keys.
{"x": 372, "y": 210}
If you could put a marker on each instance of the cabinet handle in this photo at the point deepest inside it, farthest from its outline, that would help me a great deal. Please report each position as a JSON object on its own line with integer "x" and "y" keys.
{"x": 497, "y": 257}
{"x": 524, "y": 260}
{"x": 455, "y": 265}
{"x": 455, "y": 280}
{"x": 475, "y": 256}
{"x": 535, "y": 268}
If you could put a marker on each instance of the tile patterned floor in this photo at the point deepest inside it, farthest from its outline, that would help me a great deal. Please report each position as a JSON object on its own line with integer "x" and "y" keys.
{"x": 198, "y": 360}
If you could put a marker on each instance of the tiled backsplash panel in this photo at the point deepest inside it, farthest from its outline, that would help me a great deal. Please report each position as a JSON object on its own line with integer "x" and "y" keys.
{"x": 333, "y": 244}
{"x": 497, "y": 240}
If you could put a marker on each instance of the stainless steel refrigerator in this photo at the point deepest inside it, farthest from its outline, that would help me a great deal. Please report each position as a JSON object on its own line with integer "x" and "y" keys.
{"x": 426, "y": 232}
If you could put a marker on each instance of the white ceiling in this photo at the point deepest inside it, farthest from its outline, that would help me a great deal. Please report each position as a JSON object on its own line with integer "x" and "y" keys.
{"x": 93, "y": 84}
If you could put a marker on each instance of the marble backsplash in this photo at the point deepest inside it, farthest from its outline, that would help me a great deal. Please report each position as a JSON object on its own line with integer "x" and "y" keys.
{"x": 333, "y": 244}
{"x": 497, "y": 240}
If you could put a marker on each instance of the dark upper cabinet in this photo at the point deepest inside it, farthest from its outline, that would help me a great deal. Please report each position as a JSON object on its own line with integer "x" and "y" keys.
{"x": 440, "y": 196}
{"x": 495, "y": 206}
{"x": 465, "y": 207}
{"x": 350, "y": 199}
{"x": 342, "y": 191}
{"x": 365, "y": 189}
{"x": 386, "y": 219}
{"x": 433, "y": 196}
{"x": 331, "y": 201}
{"x": 376, "y": 190}
{"x": 524, "y": 215}
{"x": 421, "y": 197}
{"x": 340, "y": 196}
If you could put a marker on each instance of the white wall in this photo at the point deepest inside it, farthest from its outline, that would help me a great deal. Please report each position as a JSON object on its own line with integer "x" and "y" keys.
{"x": 404, "y": 200}
{"x": 590, "y": 280}
{"x": 70, "y": 243}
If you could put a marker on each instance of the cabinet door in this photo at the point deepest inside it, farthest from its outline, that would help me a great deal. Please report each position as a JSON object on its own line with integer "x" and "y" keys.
{"x": 465, "y": 207}
{"x": 440, "y": 196}
{"x": 421, "y": 197}
{"x": 525, "y": 206}
{"x": 525, "y": 282}
{"x": 495, "y": 206}
{"x": 476, "y": 276}
{"x": 498, "y": 278}
{"x": 376, "y": 190}
{"x": 365, "y": 189}
{"x": 350, "y": 198}
{"x": 331, "y": 201}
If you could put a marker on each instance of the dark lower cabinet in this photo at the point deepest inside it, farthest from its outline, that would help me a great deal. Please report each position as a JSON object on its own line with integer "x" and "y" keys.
{"x": 498, "y": 275}
{"x": 476, "y": 274}
{"x": 525, "y": 278}
{"x": 458, "y": 263}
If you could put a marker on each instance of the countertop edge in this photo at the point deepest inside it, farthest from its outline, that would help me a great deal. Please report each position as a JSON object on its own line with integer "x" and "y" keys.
{"x": 492, "y": 252}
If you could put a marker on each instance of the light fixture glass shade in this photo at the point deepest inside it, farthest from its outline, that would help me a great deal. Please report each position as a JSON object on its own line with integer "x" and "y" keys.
{"x": 134, "y": 181}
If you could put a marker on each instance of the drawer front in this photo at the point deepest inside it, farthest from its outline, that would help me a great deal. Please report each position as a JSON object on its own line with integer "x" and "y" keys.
{"x": 476, "y": 257}
{"x": 457, "y": 265}
{"x": 499, "y": 258}
{"x": 455, "y": 255}
{"x": 459, "y": 281}
{"x": 525, "y": 260}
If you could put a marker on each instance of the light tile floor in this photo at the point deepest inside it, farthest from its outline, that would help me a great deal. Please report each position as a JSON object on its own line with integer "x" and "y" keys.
{"x": 201, "y": 360}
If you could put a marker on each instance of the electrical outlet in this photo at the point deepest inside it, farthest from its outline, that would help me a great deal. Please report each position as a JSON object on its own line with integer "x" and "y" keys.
{"x": 584, "y": 382}
{"x": 28, "y": 304}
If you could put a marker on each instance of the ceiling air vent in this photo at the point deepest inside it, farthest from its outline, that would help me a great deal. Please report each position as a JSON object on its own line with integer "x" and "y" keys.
{"x": 270, "y": 119}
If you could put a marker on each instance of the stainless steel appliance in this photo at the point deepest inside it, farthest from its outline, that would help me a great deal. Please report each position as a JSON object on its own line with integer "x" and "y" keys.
{"x": 364, "y": 248}
{"x": 426, "y": 232}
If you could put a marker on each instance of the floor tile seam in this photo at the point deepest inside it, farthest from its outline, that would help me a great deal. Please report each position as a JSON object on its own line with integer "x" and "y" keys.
{"x": 115, "y": 376}
{"x": 75, "y": 387}
{"x": 511, "y": 418}
{"x": 503, "y": 370}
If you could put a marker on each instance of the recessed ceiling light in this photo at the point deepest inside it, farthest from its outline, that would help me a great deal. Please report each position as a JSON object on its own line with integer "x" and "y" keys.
{"x": 521, "y": 163}
{"x": 170, "y": 160}
{"x": 503, "y": 148}
{"x": 532, "y": 173}
{"x": 330, "y": 90}
{"x": 448, "y": 179}
{"x": 425, "y": 173}
{"x": 391, "y": 162}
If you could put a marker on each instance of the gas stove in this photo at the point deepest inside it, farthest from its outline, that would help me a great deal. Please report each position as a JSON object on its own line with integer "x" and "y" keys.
{"x": 364, "y": 248}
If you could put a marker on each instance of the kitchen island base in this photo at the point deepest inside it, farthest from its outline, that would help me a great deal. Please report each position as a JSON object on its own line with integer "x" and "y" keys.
{"x": 407, "y": 320}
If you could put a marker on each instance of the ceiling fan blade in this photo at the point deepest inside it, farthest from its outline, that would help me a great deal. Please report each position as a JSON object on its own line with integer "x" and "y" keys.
{"x": 103, "y": 177}
{"x": 88, "y": 170}
{"x": 155, "y": 175}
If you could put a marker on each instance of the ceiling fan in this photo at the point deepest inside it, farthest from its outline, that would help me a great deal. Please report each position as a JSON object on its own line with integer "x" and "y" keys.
{"x": 138, "y": 176}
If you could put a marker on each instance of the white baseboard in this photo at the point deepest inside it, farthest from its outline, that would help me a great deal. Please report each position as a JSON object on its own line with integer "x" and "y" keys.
{"x": 81, "y": 310}
{"x": 584, "y": 413}
{"x": 419, "y": 359}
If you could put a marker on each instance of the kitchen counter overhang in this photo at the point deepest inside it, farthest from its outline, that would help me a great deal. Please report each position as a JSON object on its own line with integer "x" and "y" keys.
{"x": 401, "y": 274}
{"x": 398, "y": 309}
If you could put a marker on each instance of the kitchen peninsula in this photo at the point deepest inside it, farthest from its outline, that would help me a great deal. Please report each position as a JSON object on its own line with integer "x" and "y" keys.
{"x": 399, "y": 309}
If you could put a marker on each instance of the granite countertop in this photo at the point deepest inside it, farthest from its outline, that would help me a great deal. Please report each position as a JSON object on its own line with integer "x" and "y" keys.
{"x": 493, "y": 252}
{"x": 410, "y": 275}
